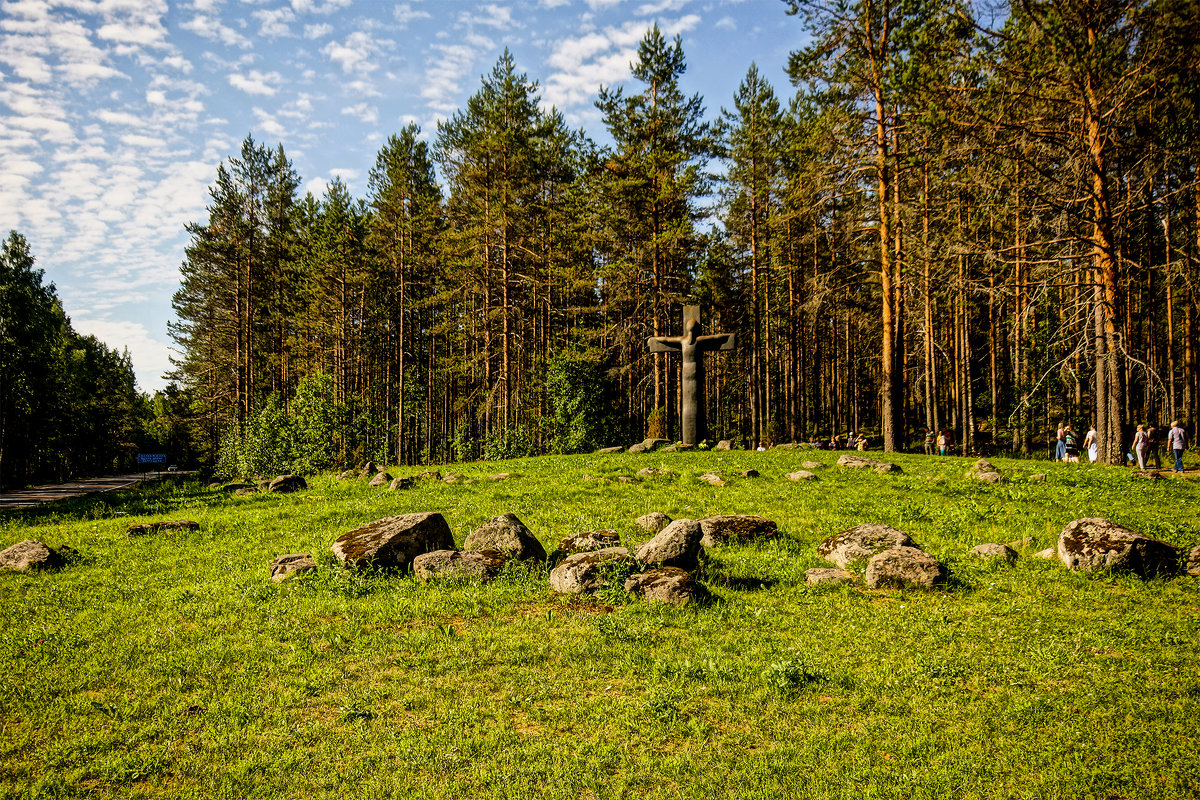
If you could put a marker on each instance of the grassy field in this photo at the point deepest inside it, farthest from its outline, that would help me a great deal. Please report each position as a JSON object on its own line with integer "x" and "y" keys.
{"x": 170, "y": 666}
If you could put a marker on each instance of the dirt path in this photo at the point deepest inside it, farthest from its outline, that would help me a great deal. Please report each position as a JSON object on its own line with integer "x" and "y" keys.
{"x": 23, "y": 498}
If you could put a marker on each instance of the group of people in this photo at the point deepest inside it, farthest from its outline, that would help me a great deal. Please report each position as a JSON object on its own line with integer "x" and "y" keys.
{"x": 938, "y": 439}
{"x": 1144, "y": 449}
{"x": 850, "y": 441}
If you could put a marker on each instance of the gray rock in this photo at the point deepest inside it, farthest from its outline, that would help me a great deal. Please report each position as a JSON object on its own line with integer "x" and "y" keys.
{"x": 801, "y": 475}
{"x": 369, "y": 469}
{"x": 993, "y": 550}
{"x": 651, "y": 444}
{"x": 428, "y": 475}
{"x": 654, "y": 522}
{"x": 654, "y": 472}
{"x": 982, "y": 465}
{"x": 500, "y": 476}
{"x": 1089, "y": 545}
{"x": 1038, "y": 478}
{"x": 583, "y": 573}
{"x": 587, "y": 542}
{"x": 380, "y": 479}
{"x": 477, "y": 565}
{"x": 509, "y": 535}
{"x": 1049, "y": 554}
{"x": 812, "y": 465}
{"x": 625, "y": 479}
{"x": 712, "y": 479}
{"x": 822, "y": 575}
{"x": 861, "y": 542}
{"x": 607, "y": 450}
{"x": 986, "y": 477}
{"x": 242, "y": 491}
{"x": 452, "y": 477}
{"x": 671, "y": 448}
{"x": 1193, "y": 561}
{"x": 677, "y": 545}
{"x": 862, "y": 462}
{"x": 904, "y": 567}
{"x": 30, "y": 555}
{"x": 287, "y": 483}
{"x": 285, "y": 566}
{"x": 724, "y": 444}
{"x": 164, "y": 526}
{"x": 736, "y": 528}
{"x": 669, "y": 585}
{"x": 400, "y": 483}
{"x": 393, "y": 542}
{"x": 637, "y": 448}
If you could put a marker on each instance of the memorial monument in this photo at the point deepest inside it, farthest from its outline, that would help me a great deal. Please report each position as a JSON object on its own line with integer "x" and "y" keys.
{"x": 691, "y": 346}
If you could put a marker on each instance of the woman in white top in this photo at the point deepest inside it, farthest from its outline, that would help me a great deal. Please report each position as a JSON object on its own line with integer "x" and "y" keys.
{"x": 1090, "y": 444}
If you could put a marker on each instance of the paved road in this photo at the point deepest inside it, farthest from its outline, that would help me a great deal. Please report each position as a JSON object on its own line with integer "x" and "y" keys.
{"x": 23, "y": 498}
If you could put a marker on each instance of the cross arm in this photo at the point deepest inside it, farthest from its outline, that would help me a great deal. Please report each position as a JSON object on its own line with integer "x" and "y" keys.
{"x": 718, "y": 341}
{"x": 664, "y": 344}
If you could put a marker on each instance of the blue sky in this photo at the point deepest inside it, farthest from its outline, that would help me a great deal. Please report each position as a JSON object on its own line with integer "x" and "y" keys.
{"x": 115, "y": 113}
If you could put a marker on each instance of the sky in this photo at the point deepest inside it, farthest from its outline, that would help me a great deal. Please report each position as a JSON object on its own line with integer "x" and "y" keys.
{"x": 114, "y": 114}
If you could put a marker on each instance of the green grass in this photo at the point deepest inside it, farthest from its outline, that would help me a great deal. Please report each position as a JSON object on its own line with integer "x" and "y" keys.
{"x": 169, "y": 665}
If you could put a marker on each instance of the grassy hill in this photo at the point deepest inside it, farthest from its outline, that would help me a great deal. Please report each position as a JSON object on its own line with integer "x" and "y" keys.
{"x": 170, "y": 666}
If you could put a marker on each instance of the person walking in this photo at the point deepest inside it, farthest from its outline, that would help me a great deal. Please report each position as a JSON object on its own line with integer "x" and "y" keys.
{"x": 929, "y": 437}
{"x": 942, "y": 442}
{"x": 1177, "y": 442}
{"x": 1152, "y": 441}
{"x": 1141, "y": 446}
{"x": 1070, "y": 445}
{"x": 1060, "y": 447}
{"x": 1091, "y": 444}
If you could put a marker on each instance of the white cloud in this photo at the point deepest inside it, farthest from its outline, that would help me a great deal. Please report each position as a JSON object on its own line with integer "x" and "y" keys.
{"x": 363, "y": 112}
{"x": 726, "y": 23}
{"x": 274, "y": 23}
{"x": 355, "y": 53}
{"x": 209, "y": 27}
{"x": 491, "y": 14}
{"x": 318, "y": 6}
{"x": 318, "y": 31}
{"x": 405, "y": 13}
{"x": 659, "y": 6}
{"x": 445, "y": 70}
{"x": 256, "y": 82}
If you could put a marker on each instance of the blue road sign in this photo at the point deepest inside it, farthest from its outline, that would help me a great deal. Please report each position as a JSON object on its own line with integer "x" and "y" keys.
{"x": 152, "y": 458}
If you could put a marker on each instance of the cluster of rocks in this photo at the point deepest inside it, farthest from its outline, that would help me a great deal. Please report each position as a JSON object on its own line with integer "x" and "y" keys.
{"x": 281, "y": 484}
{"x": 652, "y": 444}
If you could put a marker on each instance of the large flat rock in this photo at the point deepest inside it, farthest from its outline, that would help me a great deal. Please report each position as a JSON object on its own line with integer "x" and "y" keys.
{"x": 393, "y": 542}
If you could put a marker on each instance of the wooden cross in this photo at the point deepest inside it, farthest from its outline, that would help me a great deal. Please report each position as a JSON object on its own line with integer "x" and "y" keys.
{"x": 691, "y": 347}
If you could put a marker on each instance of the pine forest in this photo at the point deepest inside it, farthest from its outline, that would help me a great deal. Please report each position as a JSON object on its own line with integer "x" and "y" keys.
{"x": 982, "y": 225}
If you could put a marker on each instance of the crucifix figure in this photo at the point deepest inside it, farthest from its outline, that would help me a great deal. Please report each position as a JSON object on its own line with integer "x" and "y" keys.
{"x": 692, "y": 347}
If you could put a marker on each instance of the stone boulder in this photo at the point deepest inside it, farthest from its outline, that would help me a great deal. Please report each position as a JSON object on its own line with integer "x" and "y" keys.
{"x": 647, "y": 445}
{"x": 603, "y": 451}
{"x": 677, "y": 545}
{"x": 904, "y": 567}
{"x": 1049, "y": 554}
{"x": 1193, "y": 561}
{"x": 801, "y": 475}
{"x": 669, "y": 585}
{"x": 369, "y": 469}
{"x": 821, "y": 575}
{"x": 30, "y": 556}
{"x": 982, "y": 465}
{"x": 749, "y": 473}
{"x": 428, "y": 475}
{"x": 380, "y": 479}
{"x": 736, "y": 528}
{"x": 453, "y": 477}
{"x": 1038, "y": 478}
{"x": 159, "y": 527}
{"x": 500, "y": 476}
{"x": 654, "y": 472}
{"x": 509, "y": 535}
{"x": 587, "y": 542}
{"x": 285, "y": 566}
{"x": 654, "y": 522}
{"x": 242, "y": 491}
{"x": 1089, "y": 545}
{"x": 478, "y": 565}
{"x": 812, "y": 464}
{"x": 584, "y": 573}
{"x": 393, "y": 542}
{"x": 861, "y": 542}
{"x": 993, "y": 550}
{"x": 712, "y": 479}
{"x": 287, "y": 483}
{"x": 862, "y": 462}
{"x": 724, "y": 444}
{"x": 346, "y": 475}
{"x": 400, "y": 483}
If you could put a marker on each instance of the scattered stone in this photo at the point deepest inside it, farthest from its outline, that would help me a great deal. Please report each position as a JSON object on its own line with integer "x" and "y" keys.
{"x": 234, "y": 487}
{"x": 285, "y": 566}
{"x": 452, "y": 477}
{"x": 500, "y": 476}
{"x": 625, "y": 479}
{"x": 986, "y": 477}
{"x": 1022, "y": 544}
{"x": 813, "y": 464}
{"x": 677, "y": 545}
{"x": 861, "y": 542}
{"x": 588, "y": 542}
{"x": 993, "y": 551}
{"x": 637, "y": 448}
{"x": 369, "y": 469}
{"x": 671, "y": 448}
{"x": 480, "y": 565}
{"x": 346, "y": 475}
{"x": 1147, "y": 475}
{"x": 1088, "y": 545}
{"x": 724, "y": 444}
{"x": 712, "y": 479}
{"x": 1039, "y": 477}
{"x": 585, "y": 572}
{"x": 801, "y": 475}
{"x": 287, "y": 483}
{"x": 589, "y": 478}
{"x": 393, "y": 542}
{"x": 1049, "y": 554}
{"x": 862, "y": 462}
{"x": 400, "y": 483}
{"x": 509, "y": 535}
{"x": 1193, "y": 561}
{"x": 669, "y": 585}
{"x": 606, "y": 450}
{"x": 647, "y": 445}
{"x": 655, "y": 472}
{"x": 30, "y": 556}
{"x": 903, "y": 567}
{"x": 789, "y": 446}
{"x": 380, "y": 479}
{"x": 749, "y": 473}
{"x": 158, "y": 527}
{"x": 429, "y": 475}
{"x": 654, "y": 522}
{"x": 736, "y": 528}
{"x": 820, "y": 575}
{"x": 982, "y": 465}
{"x": 241, "y": 491}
